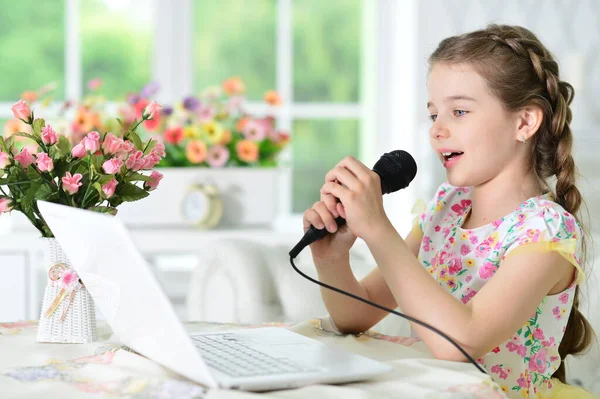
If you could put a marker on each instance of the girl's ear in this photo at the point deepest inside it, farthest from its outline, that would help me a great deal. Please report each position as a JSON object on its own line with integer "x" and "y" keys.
{"x": 529, "y": 121}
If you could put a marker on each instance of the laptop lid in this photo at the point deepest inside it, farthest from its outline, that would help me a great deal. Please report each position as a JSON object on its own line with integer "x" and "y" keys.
{"x": 123, "y": 287}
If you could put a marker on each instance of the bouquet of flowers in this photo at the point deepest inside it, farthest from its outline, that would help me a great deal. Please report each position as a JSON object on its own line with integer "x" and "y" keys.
{"x": 99, "y": 173}
{"x": 212, "y": 129}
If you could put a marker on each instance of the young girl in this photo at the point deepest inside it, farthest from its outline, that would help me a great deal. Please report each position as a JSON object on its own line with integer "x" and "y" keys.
{"x": 504, "y": 248}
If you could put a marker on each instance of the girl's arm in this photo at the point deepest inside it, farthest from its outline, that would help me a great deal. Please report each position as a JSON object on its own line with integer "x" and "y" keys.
{"x": 499, "y": 309}
{"x": 348, "y": 314}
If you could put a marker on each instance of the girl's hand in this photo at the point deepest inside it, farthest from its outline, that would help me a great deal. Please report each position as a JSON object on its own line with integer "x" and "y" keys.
{"x": 358, "y": 189}
{"x": 334, "y": 246}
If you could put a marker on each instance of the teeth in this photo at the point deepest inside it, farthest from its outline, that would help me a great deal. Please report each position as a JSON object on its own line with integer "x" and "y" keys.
{"x": 446, "y": 154}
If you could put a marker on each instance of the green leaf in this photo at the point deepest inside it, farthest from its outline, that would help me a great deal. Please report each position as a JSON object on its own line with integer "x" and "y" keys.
{"x": 139, "y": 177}
{"x": 133, "y": 136}
{"x": 104, "y": 209}
{"x": 527, "y": 333}
{"x": 37, "y": 126}
{"x": 22, "y": 134}
{"x": 130, "y": 192}
{"x": 98, "y": 188}
{"x": 45, "y": 192}
{"x": 64, "y": 145}
{"x": 528, "y": 342}
{"x": 33, "y": 174}
{"x": 27, "y": 201}
{"x": 150, "y": 146}
{"x": 9, "y": 142}
{"x": 103, "y": 179}
{"x": 2, "y": 145}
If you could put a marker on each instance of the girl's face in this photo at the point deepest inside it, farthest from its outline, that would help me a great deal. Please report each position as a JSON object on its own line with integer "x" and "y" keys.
{"x": 471, "y": 133}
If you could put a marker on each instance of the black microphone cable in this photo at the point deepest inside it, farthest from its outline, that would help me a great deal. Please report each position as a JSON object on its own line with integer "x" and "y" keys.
{"x": 447, "y": 338}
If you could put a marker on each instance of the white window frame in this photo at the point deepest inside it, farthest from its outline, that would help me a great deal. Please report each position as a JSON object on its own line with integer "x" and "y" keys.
{"x": 385, "y": 109}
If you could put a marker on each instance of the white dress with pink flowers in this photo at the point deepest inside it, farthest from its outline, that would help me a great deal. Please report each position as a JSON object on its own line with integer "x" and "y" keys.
{"x": 463, "y": 260}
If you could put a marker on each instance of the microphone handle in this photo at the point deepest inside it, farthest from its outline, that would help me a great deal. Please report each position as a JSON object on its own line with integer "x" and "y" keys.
{"x": 313, "y": 234}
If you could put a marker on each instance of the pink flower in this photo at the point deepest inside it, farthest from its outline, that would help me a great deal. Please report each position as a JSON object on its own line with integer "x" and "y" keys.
{"x": 537, "y": 362}
{"x": 21, "y": 111}
{"x": 496, "y": 349}
{"x": 482, "y": 250}
{"x": 126, "y": 148}
{"x": 159, "y": 149}
{"x": 570, "y": 225}
{"x": 556, "y": 313}
{"x": 112, "y": 166}
{"x": 217, "y": 156}
{"x": 156, "y": 178}
{"x": 462, "y": 207}
{"x": 464, "y": 249}
{"x": 487, "y": 270}
{"x": 5, "y": 205}
{"x": 4, "y": 160}
{"x": 455, "y": 266}
{"x": 92, "y": 142}
{"x": 254, "y": 130}
{"x": 44, "y": 162}
{"x": 69, "y": 278}
{"x": 206, "y": 113}
{"x": 109, "y": 188}
{"x": 468, "y": 279}
{"x": 538, "y": 334}
{"x": 70, "y": 183}
{"x": 496, "y": 369}
{"x": 469, "y": 295}
{"x": 150, "y": 161}
{"x": 152, "y": 109}
{"x": 563, "y": 298}
{"x": 135, "y": 161}
{"x": 426, "y": 246}
{"x": 24, "y": 158}
{"x": 503, "y": 375}
{"x": 112, "y": 144}
{"x": 78, "y": 151}
{"x": 474, "y": 240}
{"x": 95, "y": 84}
{"x": 48, "y": 135}
{"x": 548, "y": 343}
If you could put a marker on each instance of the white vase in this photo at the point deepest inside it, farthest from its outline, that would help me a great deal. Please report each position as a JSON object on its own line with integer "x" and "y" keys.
{"x": 74, "y": 320}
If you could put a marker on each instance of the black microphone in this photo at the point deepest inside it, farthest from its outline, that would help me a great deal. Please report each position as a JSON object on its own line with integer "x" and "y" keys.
{"x": 396, "y": 170}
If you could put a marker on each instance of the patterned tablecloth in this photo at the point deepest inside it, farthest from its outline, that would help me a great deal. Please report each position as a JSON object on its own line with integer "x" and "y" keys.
{"x": 29, "y": 369}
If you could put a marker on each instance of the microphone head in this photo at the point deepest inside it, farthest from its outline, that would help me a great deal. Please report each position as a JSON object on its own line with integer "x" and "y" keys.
{"x": 396, "y": 170}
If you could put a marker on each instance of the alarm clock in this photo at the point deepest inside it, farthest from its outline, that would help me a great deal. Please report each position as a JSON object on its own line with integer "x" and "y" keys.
{"x": 202, "y": 206}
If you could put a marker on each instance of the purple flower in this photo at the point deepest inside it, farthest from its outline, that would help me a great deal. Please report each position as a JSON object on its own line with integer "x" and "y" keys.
{"x": 150, "y": 89}
{"x": 133, "y": 98}
{"x": 191, "y": 103}
{"x": 167, "y": 110}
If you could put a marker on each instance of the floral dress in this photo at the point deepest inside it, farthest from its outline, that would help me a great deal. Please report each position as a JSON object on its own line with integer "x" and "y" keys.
{"x": 463, "y": 260}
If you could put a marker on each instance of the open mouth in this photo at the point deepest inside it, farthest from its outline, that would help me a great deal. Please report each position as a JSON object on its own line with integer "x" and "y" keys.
{"x": 450, "y": 155}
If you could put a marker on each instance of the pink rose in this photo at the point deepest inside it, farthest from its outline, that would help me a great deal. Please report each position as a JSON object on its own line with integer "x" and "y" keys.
{"x": 537, "y": 362}
{"x": 48, "y": 135}
{"x": 109, "y": 188}
{"x": 126, "y": 148}
{"x": 44, "y": 162}
{"x": 156, "y": 178}
{"x": 135, "y": 161}
{"x": 112, "y": 166}
{"x": 21, "y": 111}
{"x": 464, "y": 249}
{"x": 70, "y": 183}
{"x": 5, "y": 205}
{"x": 151, "y": 109}
{"x": 4, "y": 160}
{"x": 92, "y": 142}
{"x": 570, "y": 225}
{"x": 78, "y": 151}
{"x": 159, "y": 149}
{"x": 112, "y": 144}
{"x": 254, "y": 130}
{"x": 150, "y": 161}
{"x": 24, "y": 158}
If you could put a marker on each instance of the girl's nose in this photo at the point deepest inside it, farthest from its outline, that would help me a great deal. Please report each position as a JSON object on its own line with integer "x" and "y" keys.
{"x": 438, "y": 131}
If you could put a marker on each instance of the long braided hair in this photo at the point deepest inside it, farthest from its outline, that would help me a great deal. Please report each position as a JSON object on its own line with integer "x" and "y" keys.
{"x": 521, "y": 72}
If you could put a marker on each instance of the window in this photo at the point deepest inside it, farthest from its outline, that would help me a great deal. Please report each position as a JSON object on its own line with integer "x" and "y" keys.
{"x": 32, "y": 47}
{"x": 116, "y": 45}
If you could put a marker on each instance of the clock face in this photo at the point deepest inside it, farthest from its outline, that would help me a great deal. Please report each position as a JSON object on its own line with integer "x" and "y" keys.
{"x": 196, "y": 206}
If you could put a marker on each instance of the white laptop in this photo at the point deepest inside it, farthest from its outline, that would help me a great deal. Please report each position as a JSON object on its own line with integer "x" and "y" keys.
{"x": 141, "y": 316}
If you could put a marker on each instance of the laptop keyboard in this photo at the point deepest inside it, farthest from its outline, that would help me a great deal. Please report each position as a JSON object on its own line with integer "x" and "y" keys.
{"x": 230, "y": 355}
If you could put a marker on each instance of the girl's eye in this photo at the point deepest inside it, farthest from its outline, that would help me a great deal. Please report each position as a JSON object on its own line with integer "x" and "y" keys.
{"x": 459, "y": 112}
{"x": 433, "y": 117}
